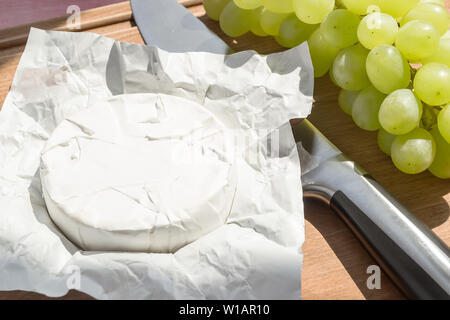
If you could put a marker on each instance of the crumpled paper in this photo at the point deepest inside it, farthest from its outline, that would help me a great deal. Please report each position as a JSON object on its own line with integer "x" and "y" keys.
{"x": 255, "y": 255}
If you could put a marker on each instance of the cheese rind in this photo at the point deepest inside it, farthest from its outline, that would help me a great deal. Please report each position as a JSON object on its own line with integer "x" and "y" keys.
{"x": 141, "y": 172}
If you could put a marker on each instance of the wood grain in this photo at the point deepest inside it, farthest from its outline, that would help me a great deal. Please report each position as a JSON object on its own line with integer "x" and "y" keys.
{"x": 335, "y": 263}
{"x": 14, "y": 13}
{"x": 89, "y": 19}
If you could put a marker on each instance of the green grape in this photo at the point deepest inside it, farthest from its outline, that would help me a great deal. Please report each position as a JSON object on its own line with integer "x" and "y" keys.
{"x": 387, "y": 69}
{"x": 366, "y": 107}
{"x": 248, "y": 4}
{"x": 293, "y": 31}
{"x": 214, "y": 8}
{"x": 313, "y": 11}
{"x": 413, "y": 152}
{"x": 429, "y": 117}
{"x": 400, "y": 112}
{"x": 444, "y": 122}
{"x": 397, "y": 8}
{"x": 432, "y": 84}
{"x": 360, "y": 7}
{"x": 322, "y": 53}
{"x": 340, "y": 28}
{"x": 432, "y": 13}
{"x": 446, "y": 35}
{"x": 385, "y": 140}
{"x": 438, "y": 2}
{"x": 346, "y": 100}
{"x": 235, "y": 21}
{"x": 417, "y": 40}
{"x": 271, "y": 21}
{"x": 278, "y": 6}
{"x": 349, "y": 68}
{"x": 442, "y": 54}
{"x": 441, "y": 164}
{"x": 255, "y": 27}
{"x": 376, "y": 29}
{"x": 339, "y": 4}
{"x": 332, "y": 79}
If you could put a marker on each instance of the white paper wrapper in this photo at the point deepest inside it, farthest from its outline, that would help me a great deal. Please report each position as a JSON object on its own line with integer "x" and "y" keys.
{"x": 255, "y": 255}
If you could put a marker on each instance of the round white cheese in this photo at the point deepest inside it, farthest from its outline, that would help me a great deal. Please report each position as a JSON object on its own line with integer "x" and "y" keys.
{"x": 140, "y": 172}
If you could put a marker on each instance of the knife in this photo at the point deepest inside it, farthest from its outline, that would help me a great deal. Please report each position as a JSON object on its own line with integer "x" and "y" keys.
{"x": 413, "y": 256}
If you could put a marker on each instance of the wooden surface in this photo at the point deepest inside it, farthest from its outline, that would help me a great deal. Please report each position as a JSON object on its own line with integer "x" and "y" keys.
{"x": 335, "y": 263}
{"x": 14, "y": 13}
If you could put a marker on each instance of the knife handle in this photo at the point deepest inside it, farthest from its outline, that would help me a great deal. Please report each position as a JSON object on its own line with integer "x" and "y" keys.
{"x": 410, "y": 277}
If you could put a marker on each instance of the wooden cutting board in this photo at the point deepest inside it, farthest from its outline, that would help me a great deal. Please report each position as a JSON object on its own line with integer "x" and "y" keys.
{"x": 335, "y": 263}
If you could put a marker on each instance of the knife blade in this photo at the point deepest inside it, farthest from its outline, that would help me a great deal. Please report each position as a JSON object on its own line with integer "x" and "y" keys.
{"x": 186, "y": 34}
{"x": 408, "y": 251}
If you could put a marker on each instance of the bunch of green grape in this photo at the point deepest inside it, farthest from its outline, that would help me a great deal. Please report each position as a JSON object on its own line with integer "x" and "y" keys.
{"x": 369, "y": 48}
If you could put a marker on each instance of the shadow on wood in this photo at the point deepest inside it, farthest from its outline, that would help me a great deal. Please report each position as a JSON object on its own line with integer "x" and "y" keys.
{"x": 325, "y": 278}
